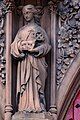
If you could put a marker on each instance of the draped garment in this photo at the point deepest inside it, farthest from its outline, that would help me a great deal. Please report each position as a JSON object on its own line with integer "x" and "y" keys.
{"x": 31, "y": 71}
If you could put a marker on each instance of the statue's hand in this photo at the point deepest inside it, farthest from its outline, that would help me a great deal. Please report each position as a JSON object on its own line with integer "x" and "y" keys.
{"x": 37, "y": 49}
{"x": 20, "y": 47}
{"x": 34, "y": 50}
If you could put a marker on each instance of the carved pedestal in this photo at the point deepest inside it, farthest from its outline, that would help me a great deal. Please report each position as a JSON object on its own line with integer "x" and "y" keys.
{"x": 32, "y": 116}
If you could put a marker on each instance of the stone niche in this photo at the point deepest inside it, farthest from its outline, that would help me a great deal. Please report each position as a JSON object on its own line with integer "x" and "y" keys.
{"x": 63, "y": 16}
{"x": 14, "y": 21}
{"x": 18, "y": 22}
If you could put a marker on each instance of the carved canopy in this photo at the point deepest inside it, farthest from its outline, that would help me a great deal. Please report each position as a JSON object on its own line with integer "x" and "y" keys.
{"x": 35, "y": 2}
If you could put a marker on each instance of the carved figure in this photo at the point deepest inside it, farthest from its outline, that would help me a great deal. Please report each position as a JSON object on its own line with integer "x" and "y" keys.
{"x": 30, "y": 46}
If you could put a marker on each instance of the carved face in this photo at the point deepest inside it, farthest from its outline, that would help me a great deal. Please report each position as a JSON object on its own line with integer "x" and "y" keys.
{"x": 30, "y": 44}
{"x": 28, "y": 15}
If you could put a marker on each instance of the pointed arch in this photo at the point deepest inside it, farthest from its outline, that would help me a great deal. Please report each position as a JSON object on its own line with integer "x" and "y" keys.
{"x": 68, "y": 88}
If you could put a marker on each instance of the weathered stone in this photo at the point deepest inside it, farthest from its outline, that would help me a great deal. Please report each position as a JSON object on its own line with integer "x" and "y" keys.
{"x": 63, "y": 70}
{"x": 77, "y": 45}
{"x": 32, "y": 116}
{"x": 66, "y": 61}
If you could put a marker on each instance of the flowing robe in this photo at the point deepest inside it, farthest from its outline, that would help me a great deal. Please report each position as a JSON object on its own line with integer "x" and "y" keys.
{"x": 31, "y": 71}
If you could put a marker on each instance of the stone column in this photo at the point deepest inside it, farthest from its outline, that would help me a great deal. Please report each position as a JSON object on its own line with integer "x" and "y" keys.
{"x": 53, "y": 108}
{"x": 8, "y": 107}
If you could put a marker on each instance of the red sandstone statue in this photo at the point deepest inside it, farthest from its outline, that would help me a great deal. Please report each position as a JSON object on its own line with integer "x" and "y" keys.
{"x": 30, "y": 46}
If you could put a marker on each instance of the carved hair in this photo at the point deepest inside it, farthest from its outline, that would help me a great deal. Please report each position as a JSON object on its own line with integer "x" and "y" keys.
{"x": 30, "y": 8}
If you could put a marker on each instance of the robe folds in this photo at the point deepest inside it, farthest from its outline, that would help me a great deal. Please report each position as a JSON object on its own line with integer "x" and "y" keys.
{"x": 31, "y": 71}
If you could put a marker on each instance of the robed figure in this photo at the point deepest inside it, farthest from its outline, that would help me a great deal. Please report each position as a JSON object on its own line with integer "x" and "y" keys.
{"x": 30, "y": 46}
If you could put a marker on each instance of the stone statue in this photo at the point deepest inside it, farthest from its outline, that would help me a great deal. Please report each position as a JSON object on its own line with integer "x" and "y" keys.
{"x": 30, "y": 46}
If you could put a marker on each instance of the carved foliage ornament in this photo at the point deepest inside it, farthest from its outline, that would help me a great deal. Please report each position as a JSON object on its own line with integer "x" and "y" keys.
{"x": 8, "y": 5}
{"x": 68, "y": 36}
{"x": 5, "y": 6}
{"x": 2, "y": 44}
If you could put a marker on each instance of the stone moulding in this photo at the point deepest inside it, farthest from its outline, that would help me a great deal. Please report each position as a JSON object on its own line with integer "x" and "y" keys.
{"x": 32, "y": 116}
{"x": 72, "y": 85}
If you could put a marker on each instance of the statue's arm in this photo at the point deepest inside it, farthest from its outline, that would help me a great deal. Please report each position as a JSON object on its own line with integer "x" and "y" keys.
{"x": 41, "y": 50}
{"x": 44, "y": 48}
{"x": 15, "y": 49}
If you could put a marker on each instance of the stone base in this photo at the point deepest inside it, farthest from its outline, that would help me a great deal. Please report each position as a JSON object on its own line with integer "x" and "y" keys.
{"x": 32, "y": 116}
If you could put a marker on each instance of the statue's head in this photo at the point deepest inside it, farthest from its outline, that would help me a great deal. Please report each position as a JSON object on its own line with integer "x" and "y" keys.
{"x": 28, "y": 12}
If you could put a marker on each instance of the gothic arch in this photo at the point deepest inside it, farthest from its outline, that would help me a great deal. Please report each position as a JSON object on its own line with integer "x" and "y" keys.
{"x": 69, "y": 87}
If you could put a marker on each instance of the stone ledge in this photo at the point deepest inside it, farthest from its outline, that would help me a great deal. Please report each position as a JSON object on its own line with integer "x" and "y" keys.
{"x": 30, "y": 119}
{"x": 32, "y": 116}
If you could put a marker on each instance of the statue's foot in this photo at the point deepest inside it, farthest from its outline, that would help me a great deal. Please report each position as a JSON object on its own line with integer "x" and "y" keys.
{"x": 33, "y": 110}
{"x": 30, "y": 110}
{"x": 39, "y": 110}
